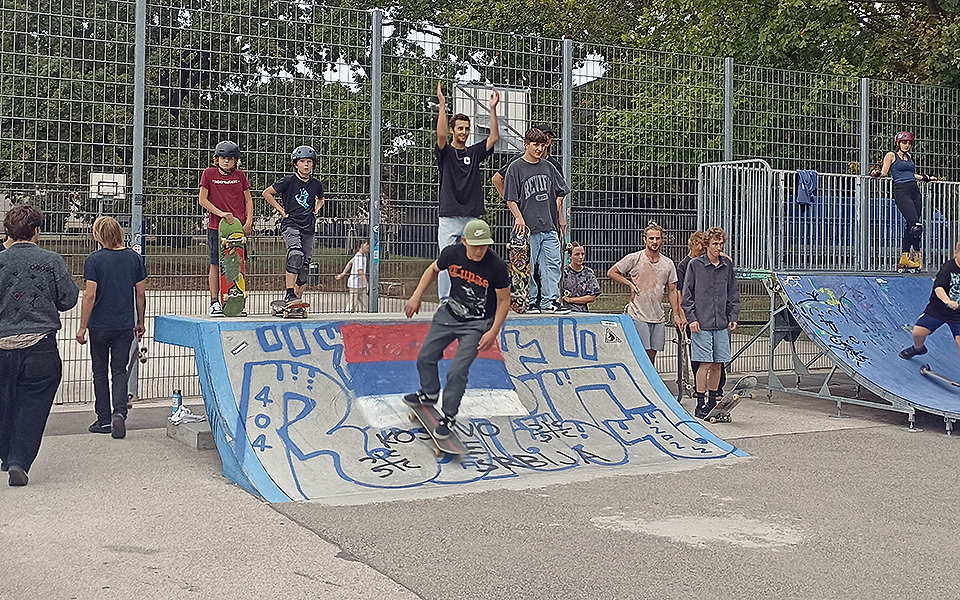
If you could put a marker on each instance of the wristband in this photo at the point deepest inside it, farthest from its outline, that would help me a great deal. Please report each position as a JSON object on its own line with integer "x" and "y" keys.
{"x": 926, "y": 178}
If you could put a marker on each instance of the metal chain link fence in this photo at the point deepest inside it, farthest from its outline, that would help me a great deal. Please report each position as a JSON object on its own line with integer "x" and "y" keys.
{"x": 631, "y": 128}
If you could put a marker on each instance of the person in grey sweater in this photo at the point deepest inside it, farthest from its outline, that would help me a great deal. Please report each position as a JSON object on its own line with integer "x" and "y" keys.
{"x": 35, "y": 286}
{"x": 711, "y": 303}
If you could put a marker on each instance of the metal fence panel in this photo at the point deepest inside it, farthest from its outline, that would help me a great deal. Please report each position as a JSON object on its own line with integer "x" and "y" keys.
{"x": 272, "y": 75}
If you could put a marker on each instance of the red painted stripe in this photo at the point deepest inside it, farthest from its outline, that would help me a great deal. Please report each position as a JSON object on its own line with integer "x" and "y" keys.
{"x": 364, "y": 342}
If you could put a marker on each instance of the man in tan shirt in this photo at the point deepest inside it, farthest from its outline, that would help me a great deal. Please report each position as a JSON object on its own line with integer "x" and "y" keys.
{"x": 648, "y": 273}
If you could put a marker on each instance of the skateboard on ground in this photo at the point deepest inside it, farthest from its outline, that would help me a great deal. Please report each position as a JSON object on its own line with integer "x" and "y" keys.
{"x": 686, "y": 378}
{"x": 430, "y": 418}
{"x": 233, "y": 285}
{"x": 518, "y": 264}
{"x": 294, "y": 309}
{"x": 721, "y": 412}
{"x": 926, "y": 370}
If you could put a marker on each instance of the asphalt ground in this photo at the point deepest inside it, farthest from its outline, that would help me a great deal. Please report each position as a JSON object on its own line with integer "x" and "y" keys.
{"x": 823, "y": 508}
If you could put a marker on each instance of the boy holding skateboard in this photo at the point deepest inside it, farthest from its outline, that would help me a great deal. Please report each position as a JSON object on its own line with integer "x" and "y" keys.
{"x": 302, "y": 200}
{"x": 943, "y": 307}
{"x": 225, "y": 194}
{"x": 473, "y": 314}
{"x": 711, "y": 303}
{"x": 113, "y": 309}
{"x": 534, "y": 191}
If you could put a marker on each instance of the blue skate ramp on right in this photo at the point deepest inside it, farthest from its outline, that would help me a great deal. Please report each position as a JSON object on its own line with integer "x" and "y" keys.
{"x": 863, "y": 322}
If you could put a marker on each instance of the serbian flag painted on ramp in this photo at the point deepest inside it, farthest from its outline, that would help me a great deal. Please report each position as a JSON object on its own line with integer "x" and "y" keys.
{"x": 383, "y": 368}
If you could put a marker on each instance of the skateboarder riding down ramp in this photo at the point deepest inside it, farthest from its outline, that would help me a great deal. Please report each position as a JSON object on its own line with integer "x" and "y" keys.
{"x": 475, "y": 310}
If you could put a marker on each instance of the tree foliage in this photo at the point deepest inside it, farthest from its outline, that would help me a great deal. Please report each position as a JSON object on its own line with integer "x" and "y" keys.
{"x": 907, "y": 40}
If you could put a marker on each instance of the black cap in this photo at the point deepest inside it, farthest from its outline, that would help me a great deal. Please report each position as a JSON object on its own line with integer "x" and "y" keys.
{"x": 546, "y": 129}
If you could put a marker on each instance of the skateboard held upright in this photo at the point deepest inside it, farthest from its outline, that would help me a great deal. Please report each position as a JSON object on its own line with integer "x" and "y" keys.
{"x": 518, "y": 264}
{"x": 233, "y": 285}
{"x": 429, "y": 417}
{"x": 721, "y": 412}
{"x": 686, "y": 381}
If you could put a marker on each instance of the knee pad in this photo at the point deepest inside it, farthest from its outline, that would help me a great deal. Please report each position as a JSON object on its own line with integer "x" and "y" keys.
{"x": 295, "y": 260}
{"x": 916, "y": 230}
{"x": 303, "y": 275}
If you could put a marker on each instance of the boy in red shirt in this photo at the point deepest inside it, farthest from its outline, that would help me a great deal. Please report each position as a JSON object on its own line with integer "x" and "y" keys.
{"x": 225, "y": 194}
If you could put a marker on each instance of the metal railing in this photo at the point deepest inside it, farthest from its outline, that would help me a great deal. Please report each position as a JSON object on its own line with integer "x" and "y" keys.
{"x": 852, "y": 223}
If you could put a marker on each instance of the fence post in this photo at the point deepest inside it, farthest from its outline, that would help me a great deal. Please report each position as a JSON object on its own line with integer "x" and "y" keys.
{"x": 376, "y": 110}
{"x": 139, "y": 125}
{"x": 863, "y": 184}
{"x": 728, "y": 109}
{"x": 566, "y": 131}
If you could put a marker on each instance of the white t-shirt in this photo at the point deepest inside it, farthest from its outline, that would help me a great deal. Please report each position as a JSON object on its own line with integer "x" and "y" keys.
{"x": 651, "y": 278}
{"x": 355, "y": 280}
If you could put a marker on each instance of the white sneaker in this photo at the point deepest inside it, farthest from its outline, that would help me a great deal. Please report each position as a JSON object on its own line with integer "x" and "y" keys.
{"x": 216, "y": 309}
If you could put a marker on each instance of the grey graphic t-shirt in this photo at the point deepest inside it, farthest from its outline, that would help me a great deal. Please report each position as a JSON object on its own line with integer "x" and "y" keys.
{"x": 574, "y": 284}
{"x": 535, "y": 188}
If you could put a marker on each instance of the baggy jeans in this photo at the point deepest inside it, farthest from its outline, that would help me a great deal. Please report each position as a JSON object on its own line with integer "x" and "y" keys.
{"x": 29, "y": 378}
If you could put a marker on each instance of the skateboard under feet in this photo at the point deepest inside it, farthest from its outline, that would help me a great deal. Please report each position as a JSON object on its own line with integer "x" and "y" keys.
{"x": 429, "y": 417}
{"x": 721, "y": 412}
{"x": 293, "y": 309}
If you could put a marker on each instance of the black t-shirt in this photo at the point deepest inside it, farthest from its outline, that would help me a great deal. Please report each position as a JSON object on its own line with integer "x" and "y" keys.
{"x": 682, "y": 271}
{"x": 473, "y": 284}
{"x": 116, "y": 273}
{"x": 299, "y": 198}
{"x": 948, "y": 278}
{"x": 461, "y": 190}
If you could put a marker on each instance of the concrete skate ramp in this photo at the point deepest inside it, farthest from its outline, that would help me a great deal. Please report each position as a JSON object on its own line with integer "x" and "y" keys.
{"x": 863, "y": 322}
{"x": 311, "y": 409}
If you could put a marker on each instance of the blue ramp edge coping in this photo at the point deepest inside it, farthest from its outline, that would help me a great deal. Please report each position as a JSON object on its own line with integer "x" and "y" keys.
{"x": 242, "y": 465}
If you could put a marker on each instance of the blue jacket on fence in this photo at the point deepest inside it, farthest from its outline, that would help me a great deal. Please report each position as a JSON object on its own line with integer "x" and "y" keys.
{"x": 806, "y": 187}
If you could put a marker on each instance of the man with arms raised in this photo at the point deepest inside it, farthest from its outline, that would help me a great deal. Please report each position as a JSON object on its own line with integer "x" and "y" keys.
{"x": 461, "y": 189}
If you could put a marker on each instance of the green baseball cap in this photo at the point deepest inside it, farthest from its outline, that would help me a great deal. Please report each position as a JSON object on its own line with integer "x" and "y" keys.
{"x": 477, "y": 233}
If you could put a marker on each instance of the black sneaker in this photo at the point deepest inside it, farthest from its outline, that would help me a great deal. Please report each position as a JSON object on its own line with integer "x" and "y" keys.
{"x": 418, "y": 398}
{"x": 100, "y": 427}
{"x": 909, "y": 352}
{"x": 17, "y": 476}
{"x": 118, "y": 426}
{"x": 445, "y": 428}
{"x": 555, "y": 309}
{"x": 701, "y": 412}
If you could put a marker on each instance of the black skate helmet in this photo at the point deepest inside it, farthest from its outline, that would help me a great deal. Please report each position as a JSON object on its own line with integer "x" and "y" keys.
{"x": 903, "y": 136}
{"x": 227, "y": 149}
{"x": 303, "y": 152}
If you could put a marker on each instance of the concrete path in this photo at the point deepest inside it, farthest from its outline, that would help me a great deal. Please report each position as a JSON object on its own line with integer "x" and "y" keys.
{"x": 823, "y": 508}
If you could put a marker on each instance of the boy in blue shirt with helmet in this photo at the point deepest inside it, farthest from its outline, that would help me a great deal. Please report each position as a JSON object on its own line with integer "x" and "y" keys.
{"x": 302, "y": 200}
